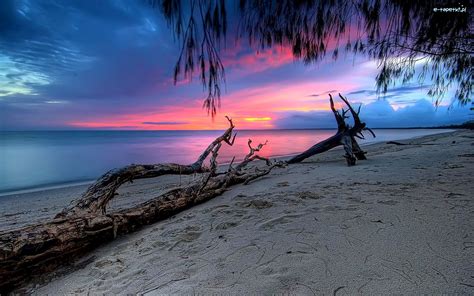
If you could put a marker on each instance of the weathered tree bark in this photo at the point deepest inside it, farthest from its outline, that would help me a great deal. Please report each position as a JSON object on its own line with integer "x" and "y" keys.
{"x": 32, "y": 250}
{"x": 103, "y": 190}
{"x": 82, "y": 226}
{"x": 346, "y": 136}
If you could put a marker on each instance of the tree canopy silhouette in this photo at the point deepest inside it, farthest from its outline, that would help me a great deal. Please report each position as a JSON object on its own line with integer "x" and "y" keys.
{"x": 408, "y": 39}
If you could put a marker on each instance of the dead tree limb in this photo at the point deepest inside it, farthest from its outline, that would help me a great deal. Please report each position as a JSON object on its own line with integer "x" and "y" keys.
{"x": 346, "y": 136}
{"x": 33, "y": 250}
{"x": 103, "y": 190}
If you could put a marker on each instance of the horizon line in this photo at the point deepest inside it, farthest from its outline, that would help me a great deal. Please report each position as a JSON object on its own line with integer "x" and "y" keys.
{"x": 209, "y": 130}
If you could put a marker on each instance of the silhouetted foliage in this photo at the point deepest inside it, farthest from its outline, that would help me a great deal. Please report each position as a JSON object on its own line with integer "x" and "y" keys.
{"x": 406, "y": 38}
{"x": 200, "y": 26}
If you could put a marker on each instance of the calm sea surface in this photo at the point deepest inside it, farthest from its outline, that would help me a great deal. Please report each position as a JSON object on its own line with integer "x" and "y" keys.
{"x": 46, "y": 158}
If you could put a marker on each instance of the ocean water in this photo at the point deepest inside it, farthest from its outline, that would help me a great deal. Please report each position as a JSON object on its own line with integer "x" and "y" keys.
{"x": 47, "y": 158}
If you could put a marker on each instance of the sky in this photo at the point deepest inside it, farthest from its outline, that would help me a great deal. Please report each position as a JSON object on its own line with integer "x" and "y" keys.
{"x": 109, "y": 65}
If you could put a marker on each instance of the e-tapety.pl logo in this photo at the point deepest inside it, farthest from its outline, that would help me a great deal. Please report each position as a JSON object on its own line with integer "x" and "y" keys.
{"x": 460, "y": 8}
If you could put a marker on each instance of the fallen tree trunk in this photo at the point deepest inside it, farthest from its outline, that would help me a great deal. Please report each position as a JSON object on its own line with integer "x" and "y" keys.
{"x": 103, "y": 190}
{"x": 82, "y": 226}
{"x": 346, "y": 136}
{"x": 33, "y": 250}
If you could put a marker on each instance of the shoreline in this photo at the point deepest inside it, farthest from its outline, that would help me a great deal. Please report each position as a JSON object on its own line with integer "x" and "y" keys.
{"x": 74, "y": 183}
{"x": 399, "y": 222}
{"x": 45, "y": 187}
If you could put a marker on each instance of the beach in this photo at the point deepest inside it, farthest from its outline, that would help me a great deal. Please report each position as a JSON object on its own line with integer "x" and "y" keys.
{"x": 400, "y": 222}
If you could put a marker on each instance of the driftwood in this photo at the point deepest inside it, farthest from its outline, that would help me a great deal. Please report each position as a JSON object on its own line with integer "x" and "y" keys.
{"x": 33, "y": 250}
{"x": 346, "y": 136}
{"x": 396, "y": 143}
{"x": 85, "y": 224}
{"x": 410, "y": 143}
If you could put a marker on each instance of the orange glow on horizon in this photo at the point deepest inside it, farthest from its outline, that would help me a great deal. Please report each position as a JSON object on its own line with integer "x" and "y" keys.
{"x": 252, "y": 119}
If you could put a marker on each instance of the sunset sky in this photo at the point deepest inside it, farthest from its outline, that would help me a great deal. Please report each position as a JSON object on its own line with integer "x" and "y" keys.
{"x": 109, "y": 65}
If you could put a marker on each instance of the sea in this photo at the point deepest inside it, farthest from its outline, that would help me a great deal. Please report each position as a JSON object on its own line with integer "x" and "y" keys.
{"x": 36, "y": 160}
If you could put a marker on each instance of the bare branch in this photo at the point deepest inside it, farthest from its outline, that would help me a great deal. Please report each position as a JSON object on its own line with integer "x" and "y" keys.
{"x": 345, "y": 136}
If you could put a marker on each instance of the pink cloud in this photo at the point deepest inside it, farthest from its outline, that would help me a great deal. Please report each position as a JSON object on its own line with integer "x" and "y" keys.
{"x": 251, "y": 108}
{"x": 240, "y": 61}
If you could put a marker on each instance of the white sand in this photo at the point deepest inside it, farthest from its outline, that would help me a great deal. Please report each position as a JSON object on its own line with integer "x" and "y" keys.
{"x": 399, "y": 223}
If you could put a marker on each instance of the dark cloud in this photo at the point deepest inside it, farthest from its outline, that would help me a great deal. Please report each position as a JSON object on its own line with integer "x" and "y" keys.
{"x": 323, "y": 93}
{"x": 311, "y": 119}
{"x": 380, "y": 114}
{"x": 392, "y": 92}
{"x": 397, "y": 96}
{"x": 85, "y": 49}
{"x": 364, "y": 91}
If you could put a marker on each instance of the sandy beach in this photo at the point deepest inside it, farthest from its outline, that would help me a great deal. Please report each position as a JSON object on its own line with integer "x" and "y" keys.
{"x": 400, "y": 222}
